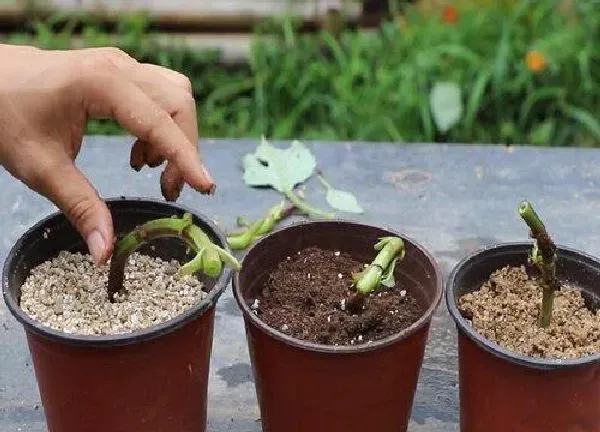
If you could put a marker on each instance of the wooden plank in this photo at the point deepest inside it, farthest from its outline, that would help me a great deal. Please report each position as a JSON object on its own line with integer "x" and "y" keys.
{"x": 207, "y": 13}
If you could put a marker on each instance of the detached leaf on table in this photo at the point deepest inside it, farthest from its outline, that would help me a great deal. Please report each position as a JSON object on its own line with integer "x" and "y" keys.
{"x": 339, "y": 199}
{"x": 342, "y": 200}
{"x": 282, "y": 169}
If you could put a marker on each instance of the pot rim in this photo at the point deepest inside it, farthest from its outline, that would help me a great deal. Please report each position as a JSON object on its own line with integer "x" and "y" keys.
{"x": 493, "y": 348}
{"x": 137, "y": 336}
{"x": 345, "y": 349}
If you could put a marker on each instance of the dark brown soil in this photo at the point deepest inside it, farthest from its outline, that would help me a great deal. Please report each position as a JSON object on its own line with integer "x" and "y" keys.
{"x": 505, "y": 310}
{"x": 305, "y": 297}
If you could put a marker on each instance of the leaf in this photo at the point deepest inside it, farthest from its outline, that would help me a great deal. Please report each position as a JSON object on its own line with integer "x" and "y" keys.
{"x": 388, "y": 280}
{"x": 584, "y": 118}
{"x": 542, "y": 133}
{"x": 446, "y": 105}
{"x": 342, "y": 200}
{"x": 339, "y": 199}
{"x": 282, "y": 169}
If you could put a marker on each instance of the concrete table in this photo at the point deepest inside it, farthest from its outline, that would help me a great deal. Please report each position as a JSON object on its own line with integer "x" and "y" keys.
{"x": 452, "y": 199}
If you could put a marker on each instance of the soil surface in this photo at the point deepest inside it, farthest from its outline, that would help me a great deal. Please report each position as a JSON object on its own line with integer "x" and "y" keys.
{"x": 68, "y": 293}
{"x": 505, "y": 310}
{"x": 305, "y": 297}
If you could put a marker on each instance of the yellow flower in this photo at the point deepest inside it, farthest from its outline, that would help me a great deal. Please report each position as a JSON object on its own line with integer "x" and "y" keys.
{"x": 536, "y": 61}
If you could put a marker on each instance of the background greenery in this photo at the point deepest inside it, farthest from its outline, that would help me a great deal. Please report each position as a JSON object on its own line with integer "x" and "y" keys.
{"x": 377, "y": 85}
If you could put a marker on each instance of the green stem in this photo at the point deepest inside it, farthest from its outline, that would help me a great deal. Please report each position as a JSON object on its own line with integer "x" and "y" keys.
{"x": 544, "y": 261}
{"x": 547, "y": 306}
{"x": 306, "y": 208}
{"x": 209, "y": 257}
{"x": 391, "y": 250}
{"x": 370, "y": 279}
{"x": 242, "y": 239}
{"x": 538, "y": 230}
{"x": 322, "y": 180}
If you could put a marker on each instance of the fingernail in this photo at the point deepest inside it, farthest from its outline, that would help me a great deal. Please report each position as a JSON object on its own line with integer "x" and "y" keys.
{"x": 209, "y": 179}
{"x": 97, "y": 246}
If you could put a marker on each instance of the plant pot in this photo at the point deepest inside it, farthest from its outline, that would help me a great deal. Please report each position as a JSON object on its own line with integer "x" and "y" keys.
{"x": 504, "y": 391}
{"x": 152, "y": 380}
{"x": 302, "y": 386}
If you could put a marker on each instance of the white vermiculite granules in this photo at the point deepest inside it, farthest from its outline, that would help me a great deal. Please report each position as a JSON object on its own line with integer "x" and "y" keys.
{"x": 68, "y": 293}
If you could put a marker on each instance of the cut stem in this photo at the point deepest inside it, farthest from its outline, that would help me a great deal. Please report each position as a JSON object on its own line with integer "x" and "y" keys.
{"x": 209, "y": 257}
{"x": 306, "y": 208}
{"x": 379, "y": 272}
{"x": 255, "y": 230}
{"x": 389, "y": 249}
{"x": 543, "y": 258}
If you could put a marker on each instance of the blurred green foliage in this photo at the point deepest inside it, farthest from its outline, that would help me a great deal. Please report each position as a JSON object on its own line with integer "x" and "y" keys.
{"x": 376, "y": 86}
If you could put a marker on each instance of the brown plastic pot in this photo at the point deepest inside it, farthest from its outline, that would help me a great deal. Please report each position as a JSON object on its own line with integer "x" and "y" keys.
{"x": 503, "y": 391}
{"x": 152, "y": 380}
{"x": 302, "y": 386}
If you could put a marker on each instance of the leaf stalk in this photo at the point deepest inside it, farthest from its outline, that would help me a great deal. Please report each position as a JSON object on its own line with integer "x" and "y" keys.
{"x": 306, "y": 208}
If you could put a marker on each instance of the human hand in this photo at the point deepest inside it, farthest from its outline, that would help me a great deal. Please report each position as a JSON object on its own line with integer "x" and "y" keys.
{"x": 46, "y": 98}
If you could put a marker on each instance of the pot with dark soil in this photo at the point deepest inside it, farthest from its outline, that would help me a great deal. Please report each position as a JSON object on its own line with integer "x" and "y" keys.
{"x": 337, "y": 316}
{"x": 528, "y": 324}
{"x": 126, "y": 347}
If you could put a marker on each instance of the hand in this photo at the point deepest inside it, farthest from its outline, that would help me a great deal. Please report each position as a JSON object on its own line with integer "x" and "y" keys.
{"x": 46, "y": 98}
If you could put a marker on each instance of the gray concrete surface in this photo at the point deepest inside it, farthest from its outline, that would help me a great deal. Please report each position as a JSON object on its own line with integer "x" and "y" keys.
{"x": 452, "y": 199}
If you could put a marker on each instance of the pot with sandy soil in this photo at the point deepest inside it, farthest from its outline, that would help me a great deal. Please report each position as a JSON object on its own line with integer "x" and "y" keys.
{"x": 137, "y": 361}
{"x": 528, "y": 324}
{"x": 336, "y": 328}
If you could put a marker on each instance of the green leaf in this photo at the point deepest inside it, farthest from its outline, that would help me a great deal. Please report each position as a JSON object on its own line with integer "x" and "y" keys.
{"x": 282, "y": 169}
{"x": 446, "y": 105}
{"x": 342, "y": 200}
{"x": 542, "y": 133}
{"x": 585, "y": 118}
{"x": 388, "y": 280}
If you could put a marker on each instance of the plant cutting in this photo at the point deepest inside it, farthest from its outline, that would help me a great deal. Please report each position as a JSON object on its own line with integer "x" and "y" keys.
{"x": 379, "y": 273}
{"x": 529, "y": 334}
{"x": 543, "y": 259}
{"x": 283, "y": 170}
{"x": 209, "y": 257}
{"x": 140, "y": 361}
{"x": 251, "y": 232}
{"x": 328, "y": 300}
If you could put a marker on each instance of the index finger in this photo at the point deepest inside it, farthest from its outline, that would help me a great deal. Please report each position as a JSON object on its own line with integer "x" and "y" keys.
{"x": 113, "y": 95}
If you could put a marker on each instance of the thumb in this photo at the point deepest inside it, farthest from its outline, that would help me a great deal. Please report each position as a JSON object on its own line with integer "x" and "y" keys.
{"x": 66, "y": 186}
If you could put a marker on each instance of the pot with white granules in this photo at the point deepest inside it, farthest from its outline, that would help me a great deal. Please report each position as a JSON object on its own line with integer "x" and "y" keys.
{"x": 533, "y": 381}
{"x": 138, "y": 364}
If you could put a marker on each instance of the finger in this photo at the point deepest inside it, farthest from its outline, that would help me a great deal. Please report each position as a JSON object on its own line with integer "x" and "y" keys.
{"x": 154, "y": 159}
{"x": 113, "y": 94}
{"x": 171, "y": 183}
{"x": 170, "y": 186}
{"x": 66, "y": 186}
{"x": 176, "y": 98}
{"x": 174, "y": 77}
{"x": 141, "y": 155}
{"x": 137, "y": 159}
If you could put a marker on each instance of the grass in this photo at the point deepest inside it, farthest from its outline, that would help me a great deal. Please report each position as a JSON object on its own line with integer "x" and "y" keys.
{"x": 525, "y": 73}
